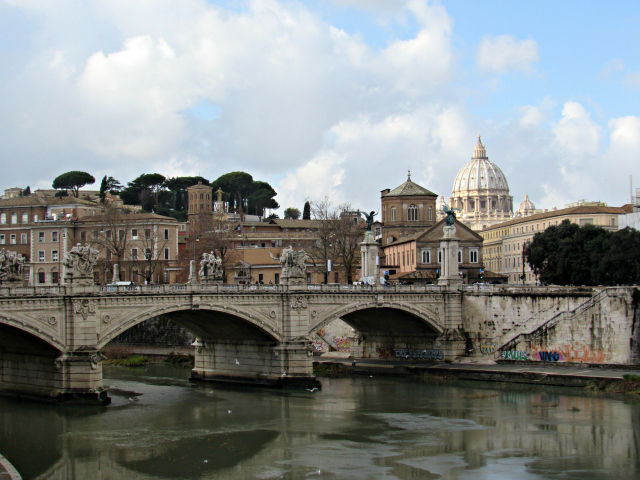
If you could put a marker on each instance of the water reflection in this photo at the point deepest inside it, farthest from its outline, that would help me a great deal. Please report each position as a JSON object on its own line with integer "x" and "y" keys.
{"x": 161, "y": 427}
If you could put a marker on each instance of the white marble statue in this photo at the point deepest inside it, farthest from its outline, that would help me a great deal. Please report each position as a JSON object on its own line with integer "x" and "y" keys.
{"x": 294, "y": 264}
{"x": 80, "y": 261}
{"x": 11, "y": 266}
{"x": 210, "y": 266}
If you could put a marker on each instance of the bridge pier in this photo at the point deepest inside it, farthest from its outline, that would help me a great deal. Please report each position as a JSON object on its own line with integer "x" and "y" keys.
{"x": 259, "y": 363}
{"x": 51, "y": 376}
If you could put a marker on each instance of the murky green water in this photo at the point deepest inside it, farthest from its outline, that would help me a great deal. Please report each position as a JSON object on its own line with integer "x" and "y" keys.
{"x": 161, "y": 427}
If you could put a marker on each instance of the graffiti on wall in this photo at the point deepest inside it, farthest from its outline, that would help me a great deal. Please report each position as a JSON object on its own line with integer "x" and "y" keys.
{"x": 407, "y": 353}
{"x": 515, "y": 355}
{"x": 488, "y": 348}
{"x": 342, "y": 344}
{"x": 571, "y": 353}
{"x": 318, "y": 346}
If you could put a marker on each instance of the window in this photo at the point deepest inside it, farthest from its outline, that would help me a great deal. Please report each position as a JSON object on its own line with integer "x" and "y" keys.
{"x": 460, "y": 251}
{"x": 54, "y": 236}
{"x": 134, "y": 234}
{"x": 41, "y": 276}
{"x": 166, "y": 276}
{"x": 412, "y": 213}
{"x": 121, "y": 235}
{"x": 439, "y": 255}
{"x": 1, "y": 239}
{"x": 147, "y": 234}
{"x": 134, "y": 254}
{"x": 13, "y": 239}
{"x": 473, "y": 255}
{"x": 25, "y": 217}
{"x": 107, "y": 234}
{"x": 378, "y": 231}
{"x": 23, "y": 239}
{"x": 147, "y": 253}
{"x": 613, "y": 221}
{"x": 35, "y": 218}
{"x": 41, "y": 256}
{"x": 426, "y": 256}
{"x": 55, "y": 278}
{"x": 586, "y": 221}
{"x": 393, "y": 214}
{"x": 277, "y": 281}
{"x": 40, "y": 237}
{"x": 54, "y": 256}
{"x": 261, "y": 278}
{"x": 308, "y": 278}
{"x": 166, "y": 254}
{"x": 430, "y": 213}
{"x": 403, "y": 263}
{"x": 14, "y": 217}
{"x": 166, "y": 234}
{"x": 3, "y": 218}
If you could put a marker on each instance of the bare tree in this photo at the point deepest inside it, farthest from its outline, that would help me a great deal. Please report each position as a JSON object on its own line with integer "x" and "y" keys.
{"x": 110, "y": 233}
{"x": 338, "y": 238}
{"x": 209, "y": 233}
{"x": 152, "y": 244}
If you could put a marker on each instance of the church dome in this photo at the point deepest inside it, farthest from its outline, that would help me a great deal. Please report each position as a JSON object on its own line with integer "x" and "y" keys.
{"x": 481, "y": 192}
{"x": 526, "y": 207}
{"x": 479, "y": 174}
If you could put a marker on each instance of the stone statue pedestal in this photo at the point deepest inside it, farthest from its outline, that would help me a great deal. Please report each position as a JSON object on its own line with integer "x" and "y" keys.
{"x": 79, "y": 281}
{"x": 294, "y": 282}
{"x": 370, "y": 270}
{"x": 210, "y": 280}
{"x": 192, "y": 273}
{"x": 449, "y": 277}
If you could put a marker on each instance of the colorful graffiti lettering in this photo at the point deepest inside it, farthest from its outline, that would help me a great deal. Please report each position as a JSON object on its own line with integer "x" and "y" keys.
{"x": 343, "y": 344}
{"x": 515, "y": 355}
{"x": 550, "y": 357}
{"x": 407, "y": 353}
{"x": 488, "y": 348}
{"x": 318, "y": 346}
{"x": 575, "y": 353}
{"x": 321, "y": 332}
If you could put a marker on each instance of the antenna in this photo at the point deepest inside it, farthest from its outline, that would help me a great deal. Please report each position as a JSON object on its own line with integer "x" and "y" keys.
{"x": 631, "y": 197}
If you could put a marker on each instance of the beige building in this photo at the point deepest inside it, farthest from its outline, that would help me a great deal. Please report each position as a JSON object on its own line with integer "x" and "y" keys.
{"x": 481, "y": 192}
{"x": 418, "y": 258}
{"x": 504, "y": 243}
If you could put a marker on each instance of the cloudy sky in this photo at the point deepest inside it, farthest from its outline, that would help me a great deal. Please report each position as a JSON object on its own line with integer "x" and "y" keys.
{"x": 337, "y": 97}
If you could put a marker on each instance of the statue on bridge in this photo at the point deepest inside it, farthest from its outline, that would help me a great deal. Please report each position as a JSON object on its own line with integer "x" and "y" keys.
{"x": 294, "y": 266}
{"x": 210, "y": 268}
{"x": 79, "y": 263}
{"x": 11, "y": 264}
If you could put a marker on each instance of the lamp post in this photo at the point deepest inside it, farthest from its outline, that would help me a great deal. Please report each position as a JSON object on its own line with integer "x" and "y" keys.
{"x": 524, "y": 276}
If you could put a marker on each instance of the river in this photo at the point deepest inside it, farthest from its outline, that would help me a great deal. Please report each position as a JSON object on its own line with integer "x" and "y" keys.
{"x": 159, "y": 426}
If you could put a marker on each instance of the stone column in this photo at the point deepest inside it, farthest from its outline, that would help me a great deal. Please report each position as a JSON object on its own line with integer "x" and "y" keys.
{"x": 452, "y": 342}
{"x": 369, "y": 250}
{"x": 192, "y": 273}
{"x": 449, "y": 268}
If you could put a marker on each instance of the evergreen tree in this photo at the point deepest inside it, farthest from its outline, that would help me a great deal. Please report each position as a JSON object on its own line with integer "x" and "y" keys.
{"x": 306, "y": 211}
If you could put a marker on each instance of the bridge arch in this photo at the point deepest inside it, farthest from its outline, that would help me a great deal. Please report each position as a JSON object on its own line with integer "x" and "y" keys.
{"x": 198, "y": 320}
{"x": 26, "y": 326}
{"x": 422, "y": 317}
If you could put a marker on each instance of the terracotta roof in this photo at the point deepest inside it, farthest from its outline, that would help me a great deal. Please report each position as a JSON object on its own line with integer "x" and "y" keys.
{"x": 409, "y": 189}
{"x": 35, "y": 200}
{"x": 131, "y": 216}
{"x": 311, "y": 224}
{"x": 583, "y": 210}
{"x": 417, "y": 274}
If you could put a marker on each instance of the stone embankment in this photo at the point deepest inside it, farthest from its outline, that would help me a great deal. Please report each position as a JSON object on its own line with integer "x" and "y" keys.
{"x": 610, "y": 379}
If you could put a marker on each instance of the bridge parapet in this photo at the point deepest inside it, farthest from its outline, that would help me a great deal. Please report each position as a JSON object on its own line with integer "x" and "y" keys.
{"x": 67, "y": 290}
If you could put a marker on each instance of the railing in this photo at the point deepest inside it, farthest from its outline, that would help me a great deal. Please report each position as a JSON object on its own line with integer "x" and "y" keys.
{"x": 70, "y": 289}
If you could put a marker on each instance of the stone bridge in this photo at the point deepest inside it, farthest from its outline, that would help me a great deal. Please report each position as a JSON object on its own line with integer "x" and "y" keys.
{"x": 51, "y": 337}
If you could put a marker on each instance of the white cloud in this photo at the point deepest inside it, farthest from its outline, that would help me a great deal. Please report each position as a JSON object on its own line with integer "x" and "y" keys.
{"x": 613, "y": 66}
{"x": 499, "y": 54}
{"x": 632, "y": 79}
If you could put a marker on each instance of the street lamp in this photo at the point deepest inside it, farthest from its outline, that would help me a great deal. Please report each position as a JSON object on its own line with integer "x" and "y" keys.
{"x": 523, "y": 276}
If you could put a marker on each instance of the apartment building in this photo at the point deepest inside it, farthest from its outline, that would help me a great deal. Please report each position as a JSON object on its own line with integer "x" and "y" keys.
{"x": 504, "y": 243}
